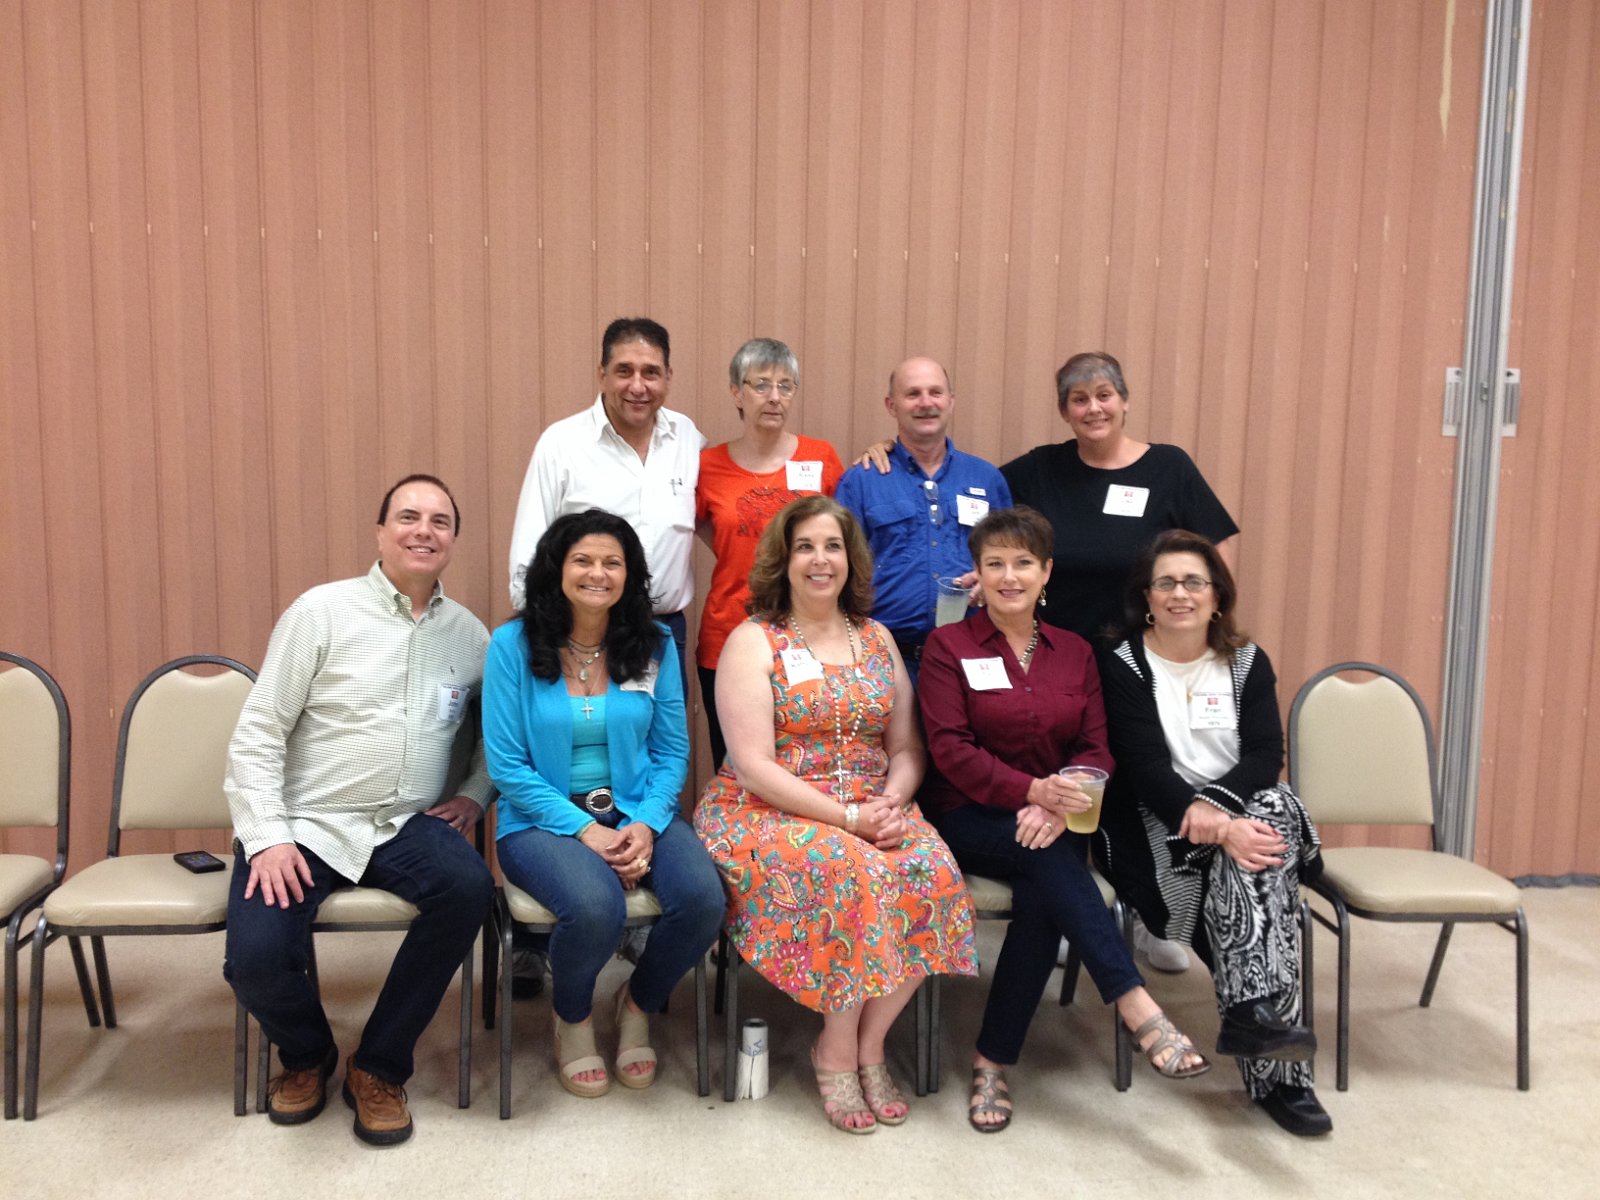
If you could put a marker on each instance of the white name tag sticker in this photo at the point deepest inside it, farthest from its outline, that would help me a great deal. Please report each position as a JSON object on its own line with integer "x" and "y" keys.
{"x": 985, "y": 674}
{"x": 646, "y": 683}
{"x": 970, "y": 509}
{"x": 804, "y": 475}
{"x": 1126, "y": 501}
{"x": 1211, "y": 710}
{"x": 452, "y": 702}
{"x": 800, "y": 666}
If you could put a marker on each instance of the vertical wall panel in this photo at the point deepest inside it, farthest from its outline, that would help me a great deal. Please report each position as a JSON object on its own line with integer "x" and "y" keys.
{"x": 335, "y": 241}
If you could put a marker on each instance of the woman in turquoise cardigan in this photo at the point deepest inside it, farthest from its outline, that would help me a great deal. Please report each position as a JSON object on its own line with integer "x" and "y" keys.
{"x": 585, "y": 734}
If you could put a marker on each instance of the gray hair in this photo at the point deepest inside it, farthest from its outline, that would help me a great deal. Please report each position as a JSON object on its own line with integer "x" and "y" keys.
{"x": 1081, "y": 368}
{"x": 762, "y": 352}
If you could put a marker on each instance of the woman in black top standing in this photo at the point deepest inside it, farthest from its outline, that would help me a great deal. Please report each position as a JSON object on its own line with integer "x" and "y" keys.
{"x": 1107, "y": 496}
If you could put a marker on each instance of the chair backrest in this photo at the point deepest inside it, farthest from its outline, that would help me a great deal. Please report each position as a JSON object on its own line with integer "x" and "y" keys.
{"x": 1361, "y": 751}
{"x": 172, "y": 750}
{"x": 36, "y": 733}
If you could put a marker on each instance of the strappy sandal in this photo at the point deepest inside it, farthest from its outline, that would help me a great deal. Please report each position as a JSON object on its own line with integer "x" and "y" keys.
{"x": 842, "y": 1098}
{"x": 575, "y": 1054}
{"x": 880, "y": 1090}
{"x": 633, "y": 1043}
{"x": 1169, "y": 1039}
{"x": 989, "y": 1086}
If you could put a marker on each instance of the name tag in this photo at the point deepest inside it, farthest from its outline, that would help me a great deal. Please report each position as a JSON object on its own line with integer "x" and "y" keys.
{"x": 804, "y": 476}
{"x": 452, "y": 702}
{"x": 1126, "y": 501}
{"x": 985, "y": 674}
{"x": 1211, "y": 710}
{"x": 646, "y": 683}
{"x": 970, "y": 509}
{"x": 800, "y": 666}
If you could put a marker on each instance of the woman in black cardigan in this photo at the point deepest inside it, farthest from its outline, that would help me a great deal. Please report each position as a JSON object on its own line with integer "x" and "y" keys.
{"x": 1198, "y": 833}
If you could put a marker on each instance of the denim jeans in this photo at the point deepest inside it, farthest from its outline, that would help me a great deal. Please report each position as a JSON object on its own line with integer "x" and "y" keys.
{"x": 588, "y": 900}
{"x": 269, "y": 948}
{"x": 1053, "y": 896}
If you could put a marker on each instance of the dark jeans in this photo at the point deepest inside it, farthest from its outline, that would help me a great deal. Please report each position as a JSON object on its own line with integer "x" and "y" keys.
{"x": 1052, "y": 897}
{"x": 269, "y": 948}
{"x": 708, "y": 697}
{"x": 678, "y": 625}
{"x": 588, "y": 900}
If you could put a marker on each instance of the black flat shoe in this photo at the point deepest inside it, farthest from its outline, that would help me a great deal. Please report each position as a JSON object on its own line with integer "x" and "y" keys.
{"x": 1297, "y": 1110}
{"x": 1257, "y": 1031}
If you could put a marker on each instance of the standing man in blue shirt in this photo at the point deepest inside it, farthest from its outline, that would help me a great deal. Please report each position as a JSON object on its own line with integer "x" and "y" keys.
{"x": 917, "y": 513}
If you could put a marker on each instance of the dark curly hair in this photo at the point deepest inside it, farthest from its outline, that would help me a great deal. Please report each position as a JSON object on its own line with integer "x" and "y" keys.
{"x": 632, "y": 635}
{"x": 1222, "y": 635}
{"x": 769, "y": 577}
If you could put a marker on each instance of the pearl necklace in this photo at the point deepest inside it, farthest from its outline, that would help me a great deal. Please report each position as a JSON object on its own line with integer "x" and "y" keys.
{"x": 839, "y": 699}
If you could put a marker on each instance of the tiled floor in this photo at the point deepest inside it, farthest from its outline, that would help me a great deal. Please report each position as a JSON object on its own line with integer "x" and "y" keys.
{"x": 1433, "y": 1109}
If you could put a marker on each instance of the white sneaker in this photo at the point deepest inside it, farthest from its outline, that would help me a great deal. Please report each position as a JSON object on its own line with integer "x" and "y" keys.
{"x": 1166, "y": 956}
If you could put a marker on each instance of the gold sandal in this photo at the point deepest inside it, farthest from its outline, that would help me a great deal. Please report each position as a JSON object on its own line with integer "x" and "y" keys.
{"x": 880, "y": 1091}
{"x": 842, "y": 1098}
{"x": 1169, "y": 1038}
{"x": 633, "y": 1043}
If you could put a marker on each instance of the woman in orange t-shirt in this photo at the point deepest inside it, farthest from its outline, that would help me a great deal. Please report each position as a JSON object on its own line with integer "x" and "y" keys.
{"x": 743, "y": 484}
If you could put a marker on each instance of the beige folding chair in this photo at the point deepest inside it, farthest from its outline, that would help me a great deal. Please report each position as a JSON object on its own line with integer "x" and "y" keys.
{"x": 35, "y": 783}
{"x": 374, "y": 910}
{"x": 171, "y": 752}
{"x": 1362, "y": 753}
{"x": 514, "y": 908}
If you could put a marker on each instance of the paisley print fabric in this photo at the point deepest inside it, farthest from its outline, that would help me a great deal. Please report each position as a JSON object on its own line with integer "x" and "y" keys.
{"x": 825, "y": 916}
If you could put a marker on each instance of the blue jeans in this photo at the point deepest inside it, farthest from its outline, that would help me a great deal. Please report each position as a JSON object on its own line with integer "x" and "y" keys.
{"x": 588, "y": 900}
{"x": 269, "y": 948}
{"x": 1053, "y": 896}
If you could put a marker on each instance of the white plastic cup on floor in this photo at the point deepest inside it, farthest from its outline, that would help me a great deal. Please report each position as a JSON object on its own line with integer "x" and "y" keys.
{"x": 750, "y": 1083}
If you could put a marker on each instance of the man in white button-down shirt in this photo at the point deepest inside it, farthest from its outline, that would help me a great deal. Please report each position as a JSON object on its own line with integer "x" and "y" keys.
{"x": 336, "y": 774}
{"x": 628, "y": 454}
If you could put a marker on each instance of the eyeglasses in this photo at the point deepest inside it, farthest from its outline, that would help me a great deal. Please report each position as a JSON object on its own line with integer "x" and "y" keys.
{"x": 931, "y": 491}
{"x": 765, "y": 387}
{"x": 1192, "y": 584}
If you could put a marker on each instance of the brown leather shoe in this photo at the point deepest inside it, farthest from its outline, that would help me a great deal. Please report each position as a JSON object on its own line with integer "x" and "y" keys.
{"x": 294, "y": 1097}
{"x": 382, "y": 1118}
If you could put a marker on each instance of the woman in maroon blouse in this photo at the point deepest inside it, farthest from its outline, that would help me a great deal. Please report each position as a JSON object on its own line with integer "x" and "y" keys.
{"x": 1006, "y": 702}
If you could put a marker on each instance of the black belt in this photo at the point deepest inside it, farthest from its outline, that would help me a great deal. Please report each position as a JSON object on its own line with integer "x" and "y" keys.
{"x": 598, "y": 803}
{"x": 910, "y": 642}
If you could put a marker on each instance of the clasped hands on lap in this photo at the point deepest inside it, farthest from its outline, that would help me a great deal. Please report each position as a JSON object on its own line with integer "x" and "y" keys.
{"x": 626, "y": 851}
{"x": 881, "y": 820}
{"x": 1254, "y": 845}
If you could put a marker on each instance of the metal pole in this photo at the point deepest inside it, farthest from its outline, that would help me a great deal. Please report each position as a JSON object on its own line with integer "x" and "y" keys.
{"x": 1505, "y": 75}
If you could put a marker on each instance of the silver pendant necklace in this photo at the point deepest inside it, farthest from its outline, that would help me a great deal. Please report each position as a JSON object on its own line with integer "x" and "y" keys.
{"x": 577, "y": 649}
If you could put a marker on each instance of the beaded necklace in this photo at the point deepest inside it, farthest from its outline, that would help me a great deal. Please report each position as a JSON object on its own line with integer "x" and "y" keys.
{"x": 839, "y": 699}
{"x": 1033, "y": 644}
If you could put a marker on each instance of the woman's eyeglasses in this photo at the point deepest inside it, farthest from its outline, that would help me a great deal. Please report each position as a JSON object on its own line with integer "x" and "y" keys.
{"x": 765, "y": 387}
{"x": 1192, "y": 584}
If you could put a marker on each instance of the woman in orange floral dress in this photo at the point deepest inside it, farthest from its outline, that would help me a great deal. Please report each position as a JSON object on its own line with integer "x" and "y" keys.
{"x": 840, "y": 893}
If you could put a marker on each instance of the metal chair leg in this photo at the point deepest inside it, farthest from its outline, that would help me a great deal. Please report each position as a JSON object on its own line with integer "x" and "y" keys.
{"x": 491, "y": 967}
{"x": 108, "y": 1006}
{"x": 464, "y": 1059}
{"x": 1308, "y": 983}
{"x": 1523, "y": 1072}
{"x": 702, "y": 1030}
{"x": 91, "y": 1007}
{"x": 30, "y": 1082}
{"x": 730, "y": 1057}
{"x": 503, "y": 924}
{"x": 722, "y": 969}
{"x": 1442, "y": 945}
{"x": 1342, "y": 1053}
{"x": 935, "y": 1030}
{"x": 921, "y": 1033}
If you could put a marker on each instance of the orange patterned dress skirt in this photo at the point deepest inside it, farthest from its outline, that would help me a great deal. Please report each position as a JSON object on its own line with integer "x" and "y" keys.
{"x": 826, "y": 916}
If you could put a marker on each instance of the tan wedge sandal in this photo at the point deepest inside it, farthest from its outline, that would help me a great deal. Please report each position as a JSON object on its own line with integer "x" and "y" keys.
{"x": 633, "y": 1044}
{"x": 575, "y": 1054}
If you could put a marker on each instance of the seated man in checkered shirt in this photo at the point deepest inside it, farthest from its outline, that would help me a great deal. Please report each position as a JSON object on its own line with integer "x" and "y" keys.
{"x": 335, "y": 777}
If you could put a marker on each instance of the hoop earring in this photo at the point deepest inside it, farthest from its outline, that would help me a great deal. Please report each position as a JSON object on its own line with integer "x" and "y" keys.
{"x": 1216, "y": 616}
{"x": 1149, "y": 618}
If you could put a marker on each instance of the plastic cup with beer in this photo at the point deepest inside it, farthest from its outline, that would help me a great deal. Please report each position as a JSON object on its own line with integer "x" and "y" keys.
{"x": 1092, "y": 782}
{"x": 952, "y": 602}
